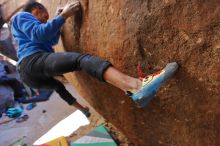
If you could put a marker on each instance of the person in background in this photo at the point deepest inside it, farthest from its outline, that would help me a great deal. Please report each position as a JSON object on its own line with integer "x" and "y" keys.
{"x": 5, "y": 80}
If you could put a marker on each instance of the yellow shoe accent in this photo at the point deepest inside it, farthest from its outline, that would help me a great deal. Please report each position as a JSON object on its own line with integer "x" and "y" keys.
{"x": 150, "y": 78}
{"x": 61, "y": 141}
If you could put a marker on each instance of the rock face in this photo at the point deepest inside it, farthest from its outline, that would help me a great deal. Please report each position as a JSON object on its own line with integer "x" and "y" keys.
{"x": 186, "y": 111}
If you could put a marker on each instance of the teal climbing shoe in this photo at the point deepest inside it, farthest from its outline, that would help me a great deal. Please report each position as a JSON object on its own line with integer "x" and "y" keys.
{"x": 151, "y": 84}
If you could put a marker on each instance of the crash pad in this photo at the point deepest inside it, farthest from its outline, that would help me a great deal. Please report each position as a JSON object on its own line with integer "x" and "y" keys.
{"x": 19, "y": 142}
{"x": 61, "y": 141}
{"x": 97, "y": 137}
{"x": 64, "y": 128}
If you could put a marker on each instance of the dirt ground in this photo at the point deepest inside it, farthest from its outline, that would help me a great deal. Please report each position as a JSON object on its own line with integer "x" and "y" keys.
{"x": 39, "y": 123}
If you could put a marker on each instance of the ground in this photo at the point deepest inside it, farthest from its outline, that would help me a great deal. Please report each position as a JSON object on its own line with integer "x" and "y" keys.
{"x": 39, "y": 123}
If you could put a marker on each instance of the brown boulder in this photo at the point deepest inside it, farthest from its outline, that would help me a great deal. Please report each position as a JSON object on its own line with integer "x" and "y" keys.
{"x": 184, "y": 112}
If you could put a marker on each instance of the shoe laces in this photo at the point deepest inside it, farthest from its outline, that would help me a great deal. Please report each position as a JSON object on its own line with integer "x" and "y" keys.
{"x": 141, "y": 74}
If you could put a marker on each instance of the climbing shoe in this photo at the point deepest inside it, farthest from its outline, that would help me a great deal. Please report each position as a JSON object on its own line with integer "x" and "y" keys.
{"x": 14, "y": 112}
{"x": 86, "y": 112}
{"x": 151, "y": 84}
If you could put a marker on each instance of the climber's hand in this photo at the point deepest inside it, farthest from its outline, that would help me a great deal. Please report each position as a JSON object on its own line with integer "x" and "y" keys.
{"x": 70, "y": 9}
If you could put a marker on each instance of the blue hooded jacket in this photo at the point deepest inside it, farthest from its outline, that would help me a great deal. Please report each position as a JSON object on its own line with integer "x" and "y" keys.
{"x": 33, "y": 36}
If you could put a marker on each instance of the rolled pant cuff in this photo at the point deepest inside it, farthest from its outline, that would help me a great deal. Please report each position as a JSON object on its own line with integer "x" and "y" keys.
{"x": 102, "y": 70}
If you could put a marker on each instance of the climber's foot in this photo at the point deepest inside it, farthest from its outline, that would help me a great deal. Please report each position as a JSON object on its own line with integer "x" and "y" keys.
{"x": 86, "y": 112}
{"x": 151, "y": 84}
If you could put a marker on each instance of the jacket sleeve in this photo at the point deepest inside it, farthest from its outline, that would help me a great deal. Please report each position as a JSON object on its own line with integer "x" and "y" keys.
{"x": 37, "y": 31}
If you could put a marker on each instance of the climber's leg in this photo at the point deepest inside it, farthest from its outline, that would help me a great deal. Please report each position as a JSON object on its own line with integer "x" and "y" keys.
{"x": 140, "y": 91}
{"x": 121, "y": 80}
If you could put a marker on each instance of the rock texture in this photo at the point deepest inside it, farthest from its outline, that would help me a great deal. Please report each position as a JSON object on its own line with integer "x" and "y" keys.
{"x": 184, "y": 112}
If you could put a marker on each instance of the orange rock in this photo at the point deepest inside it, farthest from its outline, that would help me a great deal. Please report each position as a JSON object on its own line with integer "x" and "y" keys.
{"x": 126, "y": 32}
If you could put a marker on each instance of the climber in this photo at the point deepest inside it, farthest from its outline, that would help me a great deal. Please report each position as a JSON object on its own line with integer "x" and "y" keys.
{"x": 38, "y": 64}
